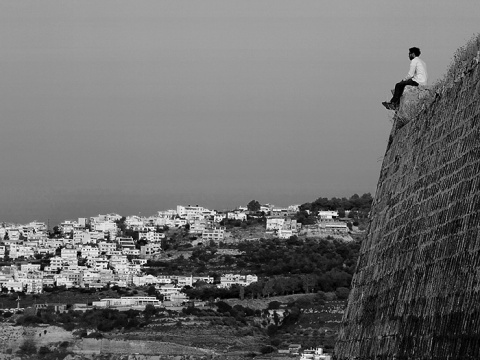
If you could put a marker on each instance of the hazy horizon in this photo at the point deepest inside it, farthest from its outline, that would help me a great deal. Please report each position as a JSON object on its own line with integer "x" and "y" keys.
{"x": 135, "y": 107}
{"x": 93, "y": 203}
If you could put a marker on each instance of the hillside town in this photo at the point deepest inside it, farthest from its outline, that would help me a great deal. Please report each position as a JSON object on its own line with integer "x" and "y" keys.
{"x": 95, "y": 253}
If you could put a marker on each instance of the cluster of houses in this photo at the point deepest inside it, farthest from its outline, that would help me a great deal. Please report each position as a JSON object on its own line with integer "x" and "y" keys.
{"x": 89, "y": 253}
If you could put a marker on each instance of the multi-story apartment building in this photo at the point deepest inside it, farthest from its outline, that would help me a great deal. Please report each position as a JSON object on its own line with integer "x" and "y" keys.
{"x": 281, "y": 212}
{"x": 108, "y": 217}
{"x": 140, "y": 262}
{"x": 191, "y": 280}
{"x": 91, "y": 277}
{"x": 193, "y": 212}
{"x": 274, "y": 223}
{"x": 33, "y": 285}
{"x": 67, "y": 227}
{"x": 169, "y": 291}
{"x": 75, "y": 277}
{"x": 97, "y": 263}
{"x": 11, "y": 285}
{"x": 143, "y": 280}
{"x": 105, "y": 227}
{"x": 327, "y": 215}
{"x": 58, "y": 262}
{"x": 237, "y": 215}
{"x": 197, "y": 226}
{"x": 88, "y": 251}
{"x": 107, "y": 247}
{"x": 125, "y": 243}
{"x": 44, "y": 250}
{"x": 217, "y": 234}
{"x": 266, "y": 208}
{"x": 149, "y": 250}
{"x": 83, "y": 223}
{"x": 152, "y": 236}
{"x": 82, "y": 237}
{"x": 30, "y": 267}
{"x": 118, "y": 261}
{"x": 54, "y": 243}
{"x": 336, "y": 227}
{"x": 62, "y": 280}
{"x": 164, "y": 279}
{"x": 16, "y": 251}
{"x": 68, "y": 253}
{"x": 227, "y": 280}
{"x": 106, "y": 276}
{"x": 14, "y": 234}
{"x": 134, "y": 221}
{"x": 218, "y": 217}
{"x": 131, "y": 252}
{"x": 285, "y": 234}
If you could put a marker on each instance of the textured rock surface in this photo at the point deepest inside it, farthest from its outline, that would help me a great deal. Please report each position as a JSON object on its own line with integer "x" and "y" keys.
{"x": 408, "y": 102}
{"x": 416, "y": 291}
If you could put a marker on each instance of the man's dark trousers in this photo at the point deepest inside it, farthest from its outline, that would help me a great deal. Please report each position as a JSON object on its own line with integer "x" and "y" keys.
{"x": 399, "y": 87}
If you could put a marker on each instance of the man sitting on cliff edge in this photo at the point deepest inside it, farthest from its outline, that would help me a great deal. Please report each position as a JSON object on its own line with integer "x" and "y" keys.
{"x": 417, "y": 75}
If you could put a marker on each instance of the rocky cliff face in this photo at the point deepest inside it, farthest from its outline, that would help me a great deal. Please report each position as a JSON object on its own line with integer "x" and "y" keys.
{"x": 416, "y": 291}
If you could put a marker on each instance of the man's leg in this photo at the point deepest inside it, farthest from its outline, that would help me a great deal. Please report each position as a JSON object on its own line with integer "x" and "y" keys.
{"x": 399, "y": 87}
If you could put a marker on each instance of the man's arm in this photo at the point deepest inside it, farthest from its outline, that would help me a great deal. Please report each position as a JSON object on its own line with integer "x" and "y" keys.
{"x": 411, "y": 72}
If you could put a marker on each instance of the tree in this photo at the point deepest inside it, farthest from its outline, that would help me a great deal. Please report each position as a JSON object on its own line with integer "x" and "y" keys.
{"x": 276, "y": 318}
{"x": 274, "y": 305}
{"x": 272, "y": 329}
{"x": 253, "y": 206}
{"x": 268, "y": 288}
{"x": 28, "y": 347}
{"x": 151, "y": 291}
{"x": 342, "y": 292}
{"x": 149, "y": 312}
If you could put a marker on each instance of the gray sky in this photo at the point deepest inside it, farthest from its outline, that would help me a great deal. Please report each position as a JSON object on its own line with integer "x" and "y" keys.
{"x": 136, "y": 106}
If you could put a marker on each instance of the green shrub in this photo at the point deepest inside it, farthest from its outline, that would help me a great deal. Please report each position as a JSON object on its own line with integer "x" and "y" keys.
{"x": 28, "y": 347}
{"x": 342, "y": 293}
{"x": 267, "y": 349}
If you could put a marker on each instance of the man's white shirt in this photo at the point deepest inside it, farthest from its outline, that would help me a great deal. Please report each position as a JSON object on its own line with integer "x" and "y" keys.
{"x": 418, "y": 71}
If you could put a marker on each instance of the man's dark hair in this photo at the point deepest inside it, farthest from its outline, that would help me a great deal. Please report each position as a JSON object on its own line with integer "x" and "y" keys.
{"x": 415, "y": 50}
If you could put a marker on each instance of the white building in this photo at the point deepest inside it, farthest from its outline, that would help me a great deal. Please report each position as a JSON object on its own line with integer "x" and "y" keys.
{"x": 89, "y": 252}
{"x": 219, "y": 217}
{"x": 68, "y": 253}
{"x": 149, "y": 250}
{"x": 285, "y": 234}
{"x": 118, "y": 261}
{"x": 327, "y": 215}
{"x": 17, "y": 250}
{"x": 172, "y": 293}
{"x": 217, "y": 234}
{"x": 227, "y": 280}
{"x": 336, "y": 227}
{"x": 144, "y": 280}
{"x": 105, "y": 227}
{"x": 97, "y": 263}
{"x": 107, "y": 247}
{"x": 81, "y": 237}
{"x": 275, "y": 223}
{"x": 152, "y": 236}
{"x": 237, "y": 215}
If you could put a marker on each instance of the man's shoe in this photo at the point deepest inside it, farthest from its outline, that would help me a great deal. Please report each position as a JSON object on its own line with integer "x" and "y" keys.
{"x": 387, "y": 105}
{"x": 390, "y": 105}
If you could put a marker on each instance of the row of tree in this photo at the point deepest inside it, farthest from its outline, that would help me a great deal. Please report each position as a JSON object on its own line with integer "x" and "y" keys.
{"x": 356, "y": 203}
